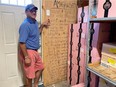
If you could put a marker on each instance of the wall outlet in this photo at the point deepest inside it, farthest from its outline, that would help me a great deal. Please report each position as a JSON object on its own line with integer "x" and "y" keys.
{"x": 47, "y": 12}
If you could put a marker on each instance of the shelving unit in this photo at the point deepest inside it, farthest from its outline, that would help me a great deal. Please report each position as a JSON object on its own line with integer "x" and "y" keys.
{"x": 102, "y": 20}
{"x": 93, "y": 69}
{"x": 101, "y": 75}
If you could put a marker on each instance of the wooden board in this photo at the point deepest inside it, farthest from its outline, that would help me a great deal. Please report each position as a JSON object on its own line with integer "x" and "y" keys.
{"x": 55, "y": 38}
{"x": 107, "y": 72}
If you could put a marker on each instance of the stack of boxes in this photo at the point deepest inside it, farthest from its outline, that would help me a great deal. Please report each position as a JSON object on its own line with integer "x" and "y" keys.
{"x": 108, "y": 60}
{"x": 109, "y": 55}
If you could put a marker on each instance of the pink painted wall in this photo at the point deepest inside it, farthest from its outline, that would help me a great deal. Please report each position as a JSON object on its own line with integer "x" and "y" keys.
{"x": 75, "y": 52}
{"x": 100, "y": 10}
{"x": 86, "y": 14}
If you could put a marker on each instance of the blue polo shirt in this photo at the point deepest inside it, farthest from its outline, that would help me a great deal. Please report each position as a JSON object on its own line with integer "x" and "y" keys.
{"x": 29, "y": 34}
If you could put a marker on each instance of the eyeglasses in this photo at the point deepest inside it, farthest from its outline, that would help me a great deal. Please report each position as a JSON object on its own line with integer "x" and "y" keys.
{"x": 33, "y": 10}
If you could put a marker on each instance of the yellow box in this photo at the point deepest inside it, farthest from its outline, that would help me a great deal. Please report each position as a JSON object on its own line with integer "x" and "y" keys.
{"x": 108, "y": 60}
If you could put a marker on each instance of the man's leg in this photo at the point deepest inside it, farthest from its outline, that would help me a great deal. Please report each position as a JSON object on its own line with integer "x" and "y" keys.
{"x": 28, "y": 82}
{"x": 37, "y": 77}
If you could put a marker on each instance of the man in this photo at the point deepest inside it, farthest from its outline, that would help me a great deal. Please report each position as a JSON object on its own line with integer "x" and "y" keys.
{"x": 29, "y": 44}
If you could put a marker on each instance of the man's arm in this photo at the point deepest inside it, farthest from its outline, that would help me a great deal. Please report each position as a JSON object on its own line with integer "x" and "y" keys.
{"x": 41, "y": 28}
{"x": 24, "y": 51}
{"x": 44, "y": 24}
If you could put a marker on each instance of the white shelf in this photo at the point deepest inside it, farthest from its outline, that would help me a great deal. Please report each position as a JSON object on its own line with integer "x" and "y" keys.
{"x": 101, "y": 76}
{"x": 98, "y": 20}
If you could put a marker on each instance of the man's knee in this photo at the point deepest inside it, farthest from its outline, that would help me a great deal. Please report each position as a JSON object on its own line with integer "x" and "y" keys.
{"x": 41, "y": 70}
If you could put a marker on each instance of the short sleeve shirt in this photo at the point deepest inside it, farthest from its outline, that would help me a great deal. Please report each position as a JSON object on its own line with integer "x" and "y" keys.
{"x": 29, "y": 34}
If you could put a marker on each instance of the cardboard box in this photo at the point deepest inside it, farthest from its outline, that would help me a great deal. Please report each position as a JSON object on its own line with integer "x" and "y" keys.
{"x": 109, "y": 48}
{"x": 109, "y": 55}
{"x": 100, "y": 10}
{"x": 108, "y": 60}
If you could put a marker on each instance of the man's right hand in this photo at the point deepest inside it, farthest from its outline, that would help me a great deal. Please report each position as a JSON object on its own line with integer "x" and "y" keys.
{"x": 27, "y": 61}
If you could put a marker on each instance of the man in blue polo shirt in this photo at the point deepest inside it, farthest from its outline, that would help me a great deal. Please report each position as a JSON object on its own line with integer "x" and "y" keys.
{"x": 29, "y": 44}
